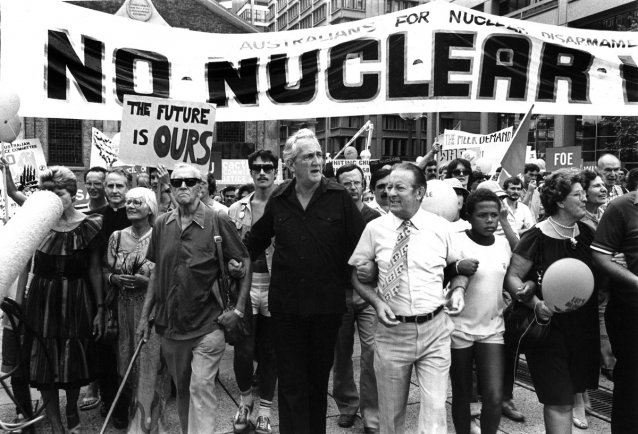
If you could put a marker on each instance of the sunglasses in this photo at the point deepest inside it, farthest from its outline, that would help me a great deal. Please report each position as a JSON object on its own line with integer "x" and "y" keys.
{"x": 267, "y": 168}
{"x": 458, "y": 172}
{"x": 190, "y": 182}
{"x": 135, "y": 202}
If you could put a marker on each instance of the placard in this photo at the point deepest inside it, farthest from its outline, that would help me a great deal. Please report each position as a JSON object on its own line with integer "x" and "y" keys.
{"x": 159, "y": 131}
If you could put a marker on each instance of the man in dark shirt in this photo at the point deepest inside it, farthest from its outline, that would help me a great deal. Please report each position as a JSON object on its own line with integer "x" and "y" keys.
{"x": 618, "y": 232}
{"x": 116, "y": 184}
{"x": 344, "y": 389}
{"x": 316, "y": 226}
{"x": 188, "y": 317}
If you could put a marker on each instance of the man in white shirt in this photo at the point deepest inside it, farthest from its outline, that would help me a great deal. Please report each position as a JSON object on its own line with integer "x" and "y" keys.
{"x": 518, "y": 214}
{"x": 411, "y": 248}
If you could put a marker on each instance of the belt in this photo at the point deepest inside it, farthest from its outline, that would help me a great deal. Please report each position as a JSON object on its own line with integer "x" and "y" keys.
{"x": 419, "y": 318}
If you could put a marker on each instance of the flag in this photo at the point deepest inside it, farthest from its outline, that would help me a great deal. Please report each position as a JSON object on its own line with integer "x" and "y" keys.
{"x": 513, "y": 161}
{"x": 104, "y": 151}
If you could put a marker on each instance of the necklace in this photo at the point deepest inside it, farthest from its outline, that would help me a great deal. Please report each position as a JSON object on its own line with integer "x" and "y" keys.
{"x": 571, "y": 239}
{"x": 138, "y": 236}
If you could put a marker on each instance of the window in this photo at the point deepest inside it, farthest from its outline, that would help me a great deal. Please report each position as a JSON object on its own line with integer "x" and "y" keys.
{"x": 358, "y": 5}
{"x": 293, "y": 12}
{"x": 281, "y": 4}
{"x": 65, "y": 142}
{"x": 281, "y": 22}
{"x": 271, "y": 27}
{"x": 271, "y": 12}
{"x": 231, "y": 138}
{"x": 319, "y": 14}
{"x": 306, "y": 23}
{"x": 231, "y": 132}
{"x": 305, "y": 4}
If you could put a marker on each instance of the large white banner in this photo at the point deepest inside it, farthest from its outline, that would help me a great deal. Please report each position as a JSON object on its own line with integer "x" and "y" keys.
{"x": 68, "y": 61}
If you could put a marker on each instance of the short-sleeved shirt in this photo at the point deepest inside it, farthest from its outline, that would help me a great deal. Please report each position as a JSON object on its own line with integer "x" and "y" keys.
{"x": 618, "y": 232}
{"x": 483, "y": 312}
{"x": 519, "y": 218}
{"x": 310, "y": 269}
{"x": 430, "y": 249}
{"x": 186, "y": 267}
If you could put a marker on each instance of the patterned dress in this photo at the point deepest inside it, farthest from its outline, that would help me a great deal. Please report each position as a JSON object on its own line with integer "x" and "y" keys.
{"x": 150, "y": 385}
{"x": 60, "y": 306}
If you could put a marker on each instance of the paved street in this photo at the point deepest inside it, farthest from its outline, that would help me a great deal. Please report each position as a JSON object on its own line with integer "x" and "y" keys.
{"x": 228, "y": 393}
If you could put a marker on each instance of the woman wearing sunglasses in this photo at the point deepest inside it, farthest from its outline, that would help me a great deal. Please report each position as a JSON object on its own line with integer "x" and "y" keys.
{"x": 461, "y": 169}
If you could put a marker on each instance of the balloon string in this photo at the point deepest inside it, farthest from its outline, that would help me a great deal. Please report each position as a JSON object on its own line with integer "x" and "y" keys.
{"x": 518, "y": 346}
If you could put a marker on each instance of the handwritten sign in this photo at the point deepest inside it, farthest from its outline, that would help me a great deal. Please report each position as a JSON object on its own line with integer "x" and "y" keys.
{"x": 156, "y": 130}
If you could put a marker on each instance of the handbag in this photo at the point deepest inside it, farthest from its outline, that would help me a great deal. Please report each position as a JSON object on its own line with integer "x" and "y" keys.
{"x": 521, "y": 323}
{"x": 111, "y": 328}
{"x": 226, "y": 291}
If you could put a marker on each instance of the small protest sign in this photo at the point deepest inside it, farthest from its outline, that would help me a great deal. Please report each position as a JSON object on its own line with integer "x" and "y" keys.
{"x": 26, "y": 161}
{"x": 156, "y": 130}
{"x": 104, "y": 150}
{"x": 363, "y": 164}
{"x": 563, "y": 158}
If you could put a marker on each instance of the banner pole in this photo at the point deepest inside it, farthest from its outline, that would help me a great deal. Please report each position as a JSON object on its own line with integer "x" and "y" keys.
{"x": 5, "y": 193}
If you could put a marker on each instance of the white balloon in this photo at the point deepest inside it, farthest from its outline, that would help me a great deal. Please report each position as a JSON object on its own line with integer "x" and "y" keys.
{"x": 9, "y": 104}
{"x": 10, "y": 129}
{"x": 484, "y": 165}
{"x": 440, "y": 199}
{"x": 419, "y": 159}
{"x": 350, "y": 153}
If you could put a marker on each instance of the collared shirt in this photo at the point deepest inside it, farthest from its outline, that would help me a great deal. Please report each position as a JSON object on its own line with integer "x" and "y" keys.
{"x": 369, "y": 214}
{"x": 186, "y": 267}
{"x": 375, "y": 206}
{"x": 519, "y": 218}
{"x": 310, "y": 264}
{"x": 618, "y": 232}
{"x": 241, "y": 214}
{"x": 429, "y": 251}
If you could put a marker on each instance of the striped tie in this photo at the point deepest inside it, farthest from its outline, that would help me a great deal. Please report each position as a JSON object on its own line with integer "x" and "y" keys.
{"x": 390, "y": 285}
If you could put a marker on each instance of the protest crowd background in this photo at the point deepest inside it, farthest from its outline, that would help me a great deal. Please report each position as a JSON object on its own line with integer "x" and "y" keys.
{"x": 307, "y": 180}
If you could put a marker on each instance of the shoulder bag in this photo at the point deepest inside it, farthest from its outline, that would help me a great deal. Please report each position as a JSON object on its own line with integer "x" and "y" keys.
{"x": 111, "y": 328}
{"x": 226, "y": 291}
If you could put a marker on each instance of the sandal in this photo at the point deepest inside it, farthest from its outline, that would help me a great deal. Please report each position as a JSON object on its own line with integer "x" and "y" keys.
{"x": 89, "y": 403}
{"x": 579, "y": 423}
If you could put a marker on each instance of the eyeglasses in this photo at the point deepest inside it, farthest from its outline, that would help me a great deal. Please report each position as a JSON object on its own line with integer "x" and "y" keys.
{"x": 190, "y": 182}
{"x": 257, "y": 168}
{"x": 459, "y": 172}
{"x": 349, "y": 184}
{"x": 135, "y": 202}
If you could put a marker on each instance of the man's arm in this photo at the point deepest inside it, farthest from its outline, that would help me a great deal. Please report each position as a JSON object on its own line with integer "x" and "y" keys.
{"x": 436, "y": 147}
{"x": 17, "y": 196}
{"x": 369, "y": 294}
{"x": 625, "y": 283}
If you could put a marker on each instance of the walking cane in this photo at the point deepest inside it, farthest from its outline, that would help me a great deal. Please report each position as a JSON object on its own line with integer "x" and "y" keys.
{"x": 128, "y": 371}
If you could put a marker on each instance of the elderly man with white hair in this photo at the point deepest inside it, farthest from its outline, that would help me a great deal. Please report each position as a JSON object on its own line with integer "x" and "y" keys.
{"x": 316, "y": 225}
{"x": 188, "y": 317}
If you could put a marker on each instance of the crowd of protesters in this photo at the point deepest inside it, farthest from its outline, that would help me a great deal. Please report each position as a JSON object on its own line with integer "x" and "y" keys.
{"x": 312, "y": 257}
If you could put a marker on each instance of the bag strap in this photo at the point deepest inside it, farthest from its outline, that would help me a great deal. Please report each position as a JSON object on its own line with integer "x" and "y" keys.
{"x": 218, "y": 243}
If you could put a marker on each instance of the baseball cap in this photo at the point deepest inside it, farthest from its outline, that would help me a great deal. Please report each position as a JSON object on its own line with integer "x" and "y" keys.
{"x": 457, "y": 186}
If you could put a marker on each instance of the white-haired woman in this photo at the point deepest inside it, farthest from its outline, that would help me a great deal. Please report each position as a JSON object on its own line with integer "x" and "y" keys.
{"x": 64, "y": 303}
{"x": 129, "y": 272}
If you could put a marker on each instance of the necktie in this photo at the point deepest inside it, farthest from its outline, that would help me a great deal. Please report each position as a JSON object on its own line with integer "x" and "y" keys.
{"x": 398, "y": 262}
